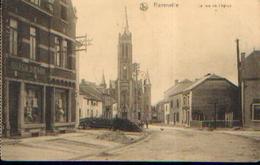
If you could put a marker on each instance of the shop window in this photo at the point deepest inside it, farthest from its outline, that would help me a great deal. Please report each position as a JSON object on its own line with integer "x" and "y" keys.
{"x": 91, "y": 113}
{"x": 33, "y": 106}
{"x": 33, "y": 43}
{"x": 13, "y": 37}
{"x": 61, "y": 106}
{"x": 256, "y": 112}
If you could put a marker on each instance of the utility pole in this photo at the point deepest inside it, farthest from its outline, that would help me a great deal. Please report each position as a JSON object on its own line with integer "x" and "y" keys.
{"x": 136, "y": 70}
{"x": 240, "y": 109}
{"x": 215, "y": 107}
{"x": 82, "y": 43}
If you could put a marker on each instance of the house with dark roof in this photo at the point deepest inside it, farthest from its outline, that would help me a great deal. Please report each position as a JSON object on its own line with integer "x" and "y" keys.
{"x": 250, "y": 90}
{"x": 206, "y": 99}
{"x": 90, "y": 101}
{"x": 174, "y": 97}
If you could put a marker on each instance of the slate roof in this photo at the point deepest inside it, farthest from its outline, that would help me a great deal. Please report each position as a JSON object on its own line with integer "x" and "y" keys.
{"x": 176, "y": 89}
{"x": 90, "y": 91}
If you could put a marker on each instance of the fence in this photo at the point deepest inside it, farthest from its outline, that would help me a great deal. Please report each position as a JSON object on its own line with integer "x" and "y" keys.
{"x": 218, "y": 123}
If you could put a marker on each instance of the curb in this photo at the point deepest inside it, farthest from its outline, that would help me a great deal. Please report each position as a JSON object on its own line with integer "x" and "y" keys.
{"x": 111, "y": 150}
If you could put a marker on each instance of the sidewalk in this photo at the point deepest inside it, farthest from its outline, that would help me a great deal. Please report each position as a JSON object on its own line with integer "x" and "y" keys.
{"x": 66, "y": 146}
{"x": 241, "y": 132}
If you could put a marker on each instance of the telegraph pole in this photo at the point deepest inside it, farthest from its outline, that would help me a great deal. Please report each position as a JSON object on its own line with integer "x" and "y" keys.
{"x": 136, "y": 70}
{"x": 240, "y": 109}
{"x": 82, "y": 43}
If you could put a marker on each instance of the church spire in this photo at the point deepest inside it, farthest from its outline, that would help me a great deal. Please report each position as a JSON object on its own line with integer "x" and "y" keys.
{"x": 103, "y": 81}
{"x": 148, "y": 81}
{"x": 126, "y": 21}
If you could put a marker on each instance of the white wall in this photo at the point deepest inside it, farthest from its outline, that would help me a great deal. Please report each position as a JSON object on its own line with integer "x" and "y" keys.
{"x": 89, "y": 107}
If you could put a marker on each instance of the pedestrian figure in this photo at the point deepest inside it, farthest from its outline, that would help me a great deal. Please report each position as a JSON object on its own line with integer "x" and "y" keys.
{"x": 146, "y": 122}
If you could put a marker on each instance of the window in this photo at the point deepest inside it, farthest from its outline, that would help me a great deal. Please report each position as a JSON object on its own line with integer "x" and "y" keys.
{"x": 57, "y": 52}
{"x": 13, "y": 37}
{"x": 61, "y": 106}
{"x": 124, "y": 73}
{"x": 177, "y": 102}
{"x": 256, "y": 112}
{"x": 36, "y": 2}
{"x": 32, "y": 107}
{"x": 63, "y": 12}
{"x": 65, "y": 53}
{"x": 32, "y": 43}
{"x": 49, "y": 5}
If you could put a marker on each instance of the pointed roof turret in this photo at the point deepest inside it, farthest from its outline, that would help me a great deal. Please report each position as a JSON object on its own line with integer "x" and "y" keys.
{"x": 147, "y": 80}
{"x": 103, "y": 81}
{"x": 126, "y": 28}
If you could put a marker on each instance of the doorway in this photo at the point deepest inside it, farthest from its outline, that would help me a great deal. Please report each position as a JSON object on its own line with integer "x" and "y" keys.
{"x": 14, "y": 92}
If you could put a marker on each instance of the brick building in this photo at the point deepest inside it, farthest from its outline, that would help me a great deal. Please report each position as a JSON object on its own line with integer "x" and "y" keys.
{"x": 250, "y": 89}
{"x": 39, "y": 71}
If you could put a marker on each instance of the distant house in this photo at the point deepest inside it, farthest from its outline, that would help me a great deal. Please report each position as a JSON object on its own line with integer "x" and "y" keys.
{"x": 208, "y": 98}
{"x": 159, "y": 109}
{"x": 90, "y": 101}
{"x": 166, "y": 109}
{"x": 250, "y": 89}
{"x": 174, "y": 95}
{"x": 203, "y": 99}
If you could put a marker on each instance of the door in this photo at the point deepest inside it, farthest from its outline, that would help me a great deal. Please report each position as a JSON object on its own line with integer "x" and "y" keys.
{"x": 13, "y": 107}
{"x": 48, "y": 108}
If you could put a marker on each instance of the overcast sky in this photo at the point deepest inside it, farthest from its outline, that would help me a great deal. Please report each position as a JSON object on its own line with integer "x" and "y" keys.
{"x": 172, "y": 43}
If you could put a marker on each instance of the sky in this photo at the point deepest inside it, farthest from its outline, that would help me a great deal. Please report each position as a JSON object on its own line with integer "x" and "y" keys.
{"x": 172, "y": 43}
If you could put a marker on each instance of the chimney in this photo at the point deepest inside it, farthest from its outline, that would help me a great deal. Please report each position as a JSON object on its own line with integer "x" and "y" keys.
{"x": 243, "y": 56}
{"x": 176, "y": 81}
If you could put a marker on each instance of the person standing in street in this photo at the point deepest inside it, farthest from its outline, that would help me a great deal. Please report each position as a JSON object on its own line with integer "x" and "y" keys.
{"x": 146, "y": 123}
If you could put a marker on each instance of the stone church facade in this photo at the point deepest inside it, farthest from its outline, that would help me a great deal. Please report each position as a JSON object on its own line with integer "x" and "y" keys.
{"x": 132, "y": 92}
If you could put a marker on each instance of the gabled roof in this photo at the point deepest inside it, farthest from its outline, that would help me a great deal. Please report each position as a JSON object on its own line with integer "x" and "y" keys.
{"x": 90, "y": 91}
{"x": 203, "y": 79}
{"x": 178, "y": 88}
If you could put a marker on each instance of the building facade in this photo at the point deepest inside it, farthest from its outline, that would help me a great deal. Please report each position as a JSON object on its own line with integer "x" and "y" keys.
{"x": 90, "y": 106}
{"x": 39, "y": 72}
{"x": 250, "y": 90}
{"x": 206, "y": 99}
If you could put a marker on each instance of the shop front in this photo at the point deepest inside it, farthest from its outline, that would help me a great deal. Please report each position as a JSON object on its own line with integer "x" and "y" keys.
{"x": 36, "y": 105}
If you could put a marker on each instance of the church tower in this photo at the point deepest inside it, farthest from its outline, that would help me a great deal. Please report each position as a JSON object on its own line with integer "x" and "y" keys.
{"x": 125, "y": 81}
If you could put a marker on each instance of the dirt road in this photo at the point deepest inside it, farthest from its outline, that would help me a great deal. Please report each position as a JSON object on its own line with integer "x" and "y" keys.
{"x": 187, "y": 145}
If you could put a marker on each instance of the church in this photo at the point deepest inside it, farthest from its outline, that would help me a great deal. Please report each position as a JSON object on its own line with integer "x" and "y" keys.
{"x": 132, "y": 89}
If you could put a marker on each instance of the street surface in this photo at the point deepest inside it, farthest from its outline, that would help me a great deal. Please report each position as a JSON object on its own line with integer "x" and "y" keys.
{"x": 158, "y": 143}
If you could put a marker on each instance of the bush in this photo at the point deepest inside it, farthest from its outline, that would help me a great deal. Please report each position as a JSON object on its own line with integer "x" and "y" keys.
{"x": 115, "y": 124}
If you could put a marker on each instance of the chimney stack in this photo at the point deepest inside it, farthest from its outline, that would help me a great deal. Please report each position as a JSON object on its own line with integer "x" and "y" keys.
{"x": 243, "y": 56}
{"x": 176, "y": 81}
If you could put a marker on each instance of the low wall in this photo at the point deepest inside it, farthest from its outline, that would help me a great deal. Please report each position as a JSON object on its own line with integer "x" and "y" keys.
{"x": 218, "y": 123}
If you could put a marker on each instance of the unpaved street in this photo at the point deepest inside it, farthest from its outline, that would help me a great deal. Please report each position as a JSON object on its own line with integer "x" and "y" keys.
{"x": 181, "y": 144}
{"x": 187, "y": 145}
